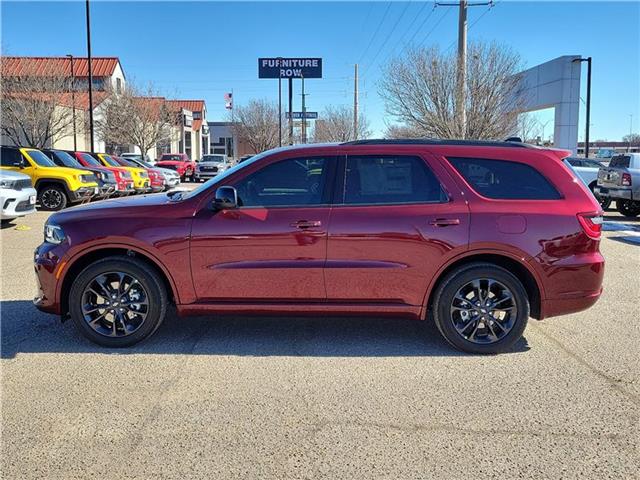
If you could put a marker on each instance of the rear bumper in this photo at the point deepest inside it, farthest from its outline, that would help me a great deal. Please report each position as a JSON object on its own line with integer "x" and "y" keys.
{"x": 614, "y": 193}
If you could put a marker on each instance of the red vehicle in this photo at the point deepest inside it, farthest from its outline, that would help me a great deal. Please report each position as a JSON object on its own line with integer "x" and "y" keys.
{"x": 475, "y": 236}
{"x": 180, "y": 162}
{"x": 156, "y": 178}
{"x": 124, "y": 182}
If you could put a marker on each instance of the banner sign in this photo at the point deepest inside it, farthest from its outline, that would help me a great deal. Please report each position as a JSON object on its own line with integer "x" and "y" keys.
{"x": 307, "y": 115}
{"x": 289, "y": 68}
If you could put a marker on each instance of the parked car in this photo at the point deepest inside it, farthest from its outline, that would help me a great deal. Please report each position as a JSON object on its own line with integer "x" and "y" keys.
{"x": 587, "y": 170}
{"x": 454, "y": 231}
{"x": 244, "y": 158}
{"x": 137, "y": 156}
{"x": 210, "y": 166}
{"x": 620, "y": 181}
{"x": 141, "y": 182}
{"x": 171, "y": 177}
{"x": 17, "y": 195}
{"x": 124, "y": 182}
{"x": 156, "y": 179}
{"x": 57, "y": 186}
{"x": 106, "y": 180}
{"x": 179, "y": 162}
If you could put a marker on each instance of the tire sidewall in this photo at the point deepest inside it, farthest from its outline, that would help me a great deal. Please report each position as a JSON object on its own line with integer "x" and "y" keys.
{"x": 63, "y": 195}
{"x": 147, "y": 278}
{"x": 628, "y": 208}
{"x": 450, "y": 286}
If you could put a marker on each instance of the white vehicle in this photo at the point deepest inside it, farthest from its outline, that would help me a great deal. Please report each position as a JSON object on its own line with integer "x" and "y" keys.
{"x": 17, "y": 195}
{"x": 210, "y": 166}
{"x": 587, "y": 169}
{"x": 171, "y": 177}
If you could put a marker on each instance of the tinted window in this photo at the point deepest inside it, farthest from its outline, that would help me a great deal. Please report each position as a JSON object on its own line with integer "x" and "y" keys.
{"x": 297, "y": 181}
{"x": 10, "y": 157}
{"x": 621, "y": 161}
{"x": 504, "y": 180}
{"x": 90, "y": 160}
{"x": 388, "y": 180}
{"x": 40, "y": 158}
{"x": 63, "y": 159}
{"x": 575, "y": 162}
{"x": 591, "y": 163}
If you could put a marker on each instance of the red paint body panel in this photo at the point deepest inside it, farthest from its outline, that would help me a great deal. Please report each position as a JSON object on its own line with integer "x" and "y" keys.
{"x": 368, "y": 260}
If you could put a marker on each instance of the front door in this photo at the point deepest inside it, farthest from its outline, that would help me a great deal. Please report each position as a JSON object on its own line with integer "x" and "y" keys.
{"x": 273, "y": 247}
{"x": 395, "y": 223}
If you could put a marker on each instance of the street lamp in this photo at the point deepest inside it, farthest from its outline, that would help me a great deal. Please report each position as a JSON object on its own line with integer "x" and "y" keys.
{"x": 73, "y": 102}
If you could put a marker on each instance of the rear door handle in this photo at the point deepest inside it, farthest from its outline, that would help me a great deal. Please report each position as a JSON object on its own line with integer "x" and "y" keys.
{"x": 445, "y": 222}
{"x": 302, "y": 224}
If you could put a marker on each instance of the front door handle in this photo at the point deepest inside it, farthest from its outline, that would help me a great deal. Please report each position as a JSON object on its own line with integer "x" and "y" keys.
{"x": 302, "y": 224}
{"x": 445, "y": 222}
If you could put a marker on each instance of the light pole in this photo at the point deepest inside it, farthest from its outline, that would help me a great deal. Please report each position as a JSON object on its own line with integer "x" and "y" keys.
{"x": 73, "y": 102}
{"x": 90, "y": 74}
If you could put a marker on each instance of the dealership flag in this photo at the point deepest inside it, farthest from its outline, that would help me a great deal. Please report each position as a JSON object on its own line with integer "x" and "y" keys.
{"x": 228, "y": 101}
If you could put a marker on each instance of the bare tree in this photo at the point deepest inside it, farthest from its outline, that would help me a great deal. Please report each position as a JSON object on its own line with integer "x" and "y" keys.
{"x": 138, "y": 117}
{"x": 35, "y": 106}
{"x": 400, "y": 132}
{"x": 336, "y": 125}
{"x": 632, "y": 139}
{"x": 528, "y": 128}
{"x": 257, "y": 124}
{"x": 419, "y": 90}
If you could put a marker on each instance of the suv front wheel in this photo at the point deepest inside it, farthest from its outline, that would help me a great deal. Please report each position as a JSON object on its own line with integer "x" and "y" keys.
{"x": 52, "y": 197}
{"x": 117, "y": 301}
{"x": 481, "y": 308}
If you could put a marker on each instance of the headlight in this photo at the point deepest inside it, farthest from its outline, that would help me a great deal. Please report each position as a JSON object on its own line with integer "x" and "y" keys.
{"x": 5, "y": 183}
{"x": 53, "y": 234}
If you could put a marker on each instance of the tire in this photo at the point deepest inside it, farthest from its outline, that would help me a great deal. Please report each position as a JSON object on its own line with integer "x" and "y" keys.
{"x": 486, "y": 339}
{"x": 52, "y": 198}
{"x": 628, "y": 208}
{"x": 150, "y": 288}
{"x": 604, "y": 202}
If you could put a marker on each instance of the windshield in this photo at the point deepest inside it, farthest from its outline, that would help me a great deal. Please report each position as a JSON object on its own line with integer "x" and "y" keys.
{"x": 125, "y": 162}
{"x": 90, "y": 160}
{"x": 171, "y": 158}
{"x": 110, "y": 161}
{"x": 66, "y": 159}
{"x": 213, "y": 158}
{"x": 40, "y": 158}
{"x": 221, "y": 176}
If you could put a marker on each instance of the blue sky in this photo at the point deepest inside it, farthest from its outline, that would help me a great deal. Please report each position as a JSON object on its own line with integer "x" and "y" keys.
{"x": 203, "y": 49}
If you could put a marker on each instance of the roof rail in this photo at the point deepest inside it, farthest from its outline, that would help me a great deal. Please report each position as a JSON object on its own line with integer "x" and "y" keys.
{"x": 510, "y": 143}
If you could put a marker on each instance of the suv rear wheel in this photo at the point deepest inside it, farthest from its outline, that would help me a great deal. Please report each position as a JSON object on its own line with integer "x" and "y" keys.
{"x": 481, "y": 308}
{"x": 52, "y": 197}
{"x": 117, "y": 301}
{"x": 628, "y": 208}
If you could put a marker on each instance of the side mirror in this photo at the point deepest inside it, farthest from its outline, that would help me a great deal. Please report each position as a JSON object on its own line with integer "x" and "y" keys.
{"x": 226, "y": 198}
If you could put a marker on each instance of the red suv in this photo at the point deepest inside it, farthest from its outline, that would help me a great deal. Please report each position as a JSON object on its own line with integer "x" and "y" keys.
{"x": 180, "y": 162}
{"x": 476, "y": 236}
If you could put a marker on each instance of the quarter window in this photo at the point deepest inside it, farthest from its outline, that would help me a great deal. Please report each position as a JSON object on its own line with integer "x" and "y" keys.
{"x": 390, "y": 180}
{"x": 501, "y": 179}
{"x": 293, "y": 182}
{"x": 10, "y": 157}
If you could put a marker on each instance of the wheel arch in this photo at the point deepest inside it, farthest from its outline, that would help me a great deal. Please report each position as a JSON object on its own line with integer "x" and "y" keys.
{"x": 81, "y": 261}
{"x": 43, "y": 182}
{"x": 517, "y": 267}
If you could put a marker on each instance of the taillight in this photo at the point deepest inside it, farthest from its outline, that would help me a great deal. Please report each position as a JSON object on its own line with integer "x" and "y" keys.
{"x": 626, "y": 179}
{"x": 591, "y": 224}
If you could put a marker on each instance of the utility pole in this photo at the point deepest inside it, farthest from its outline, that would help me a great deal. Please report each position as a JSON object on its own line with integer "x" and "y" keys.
{"x": 90, "y": 74}
{"x": 304, "y": 120}
{"x": 279, "y": 106}
{"x": 73, "y": 103}
{"x": 355, "y": 102}
{"x": 461, "y": 77}
{"x": 290, "y": 111}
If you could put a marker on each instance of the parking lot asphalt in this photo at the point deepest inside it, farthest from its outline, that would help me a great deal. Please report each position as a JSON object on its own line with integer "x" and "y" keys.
{"x": 321, "y": 397}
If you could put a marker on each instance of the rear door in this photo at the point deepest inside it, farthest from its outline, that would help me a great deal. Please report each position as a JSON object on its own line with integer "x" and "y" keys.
{"x": 396, "y": 220}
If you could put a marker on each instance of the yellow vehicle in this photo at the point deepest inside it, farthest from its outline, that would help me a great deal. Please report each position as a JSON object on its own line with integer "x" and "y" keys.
{"x": 56, "y": 186}
{"x": 141, "y": 182}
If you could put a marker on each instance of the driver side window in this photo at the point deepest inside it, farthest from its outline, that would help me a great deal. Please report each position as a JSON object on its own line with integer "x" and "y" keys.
{"x": 291, "y": 182}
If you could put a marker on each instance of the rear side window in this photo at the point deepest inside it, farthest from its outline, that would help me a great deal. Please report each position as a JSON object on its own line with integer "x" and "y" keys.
{"x": 504, "y": 180}
{"x": 620, "y": 161}
{"x": 390, "y": 179}
{"x": 10, "y": 157}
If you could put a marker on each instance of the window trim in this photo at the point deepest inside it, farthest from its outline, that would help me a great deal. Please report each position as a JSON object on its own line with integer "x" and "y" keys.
{"x": 327, "y": 188}
{"x": 490, "y": 199}
{"x": 338, "y": 198}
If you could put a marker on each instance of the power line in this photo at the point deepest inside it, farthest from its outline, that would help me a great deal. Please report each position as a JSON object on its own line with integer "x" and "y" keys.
{"x": 424, "y": 40}
{"x": 376, "y": 32}
{"x": 382, "y": 45}
{"x": 415, "y": 18}
{"x": 474, "y": 22}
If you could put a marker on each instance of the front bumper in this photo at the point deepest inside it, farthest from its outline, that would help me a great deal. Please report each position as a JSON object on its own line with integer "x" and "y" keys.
{"x": 143, "y": 187}
{"x": 17, "y": 203}
{"x": 171, "y": 182}
{"x": 614, "y": 193}
{"x": 47, "y": 264}
{"x": 83, "y": 193}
